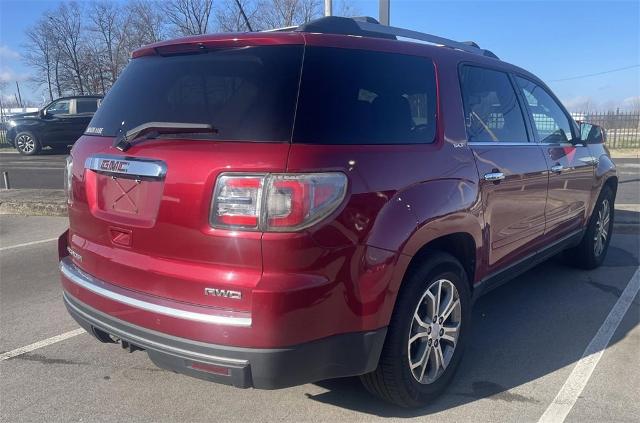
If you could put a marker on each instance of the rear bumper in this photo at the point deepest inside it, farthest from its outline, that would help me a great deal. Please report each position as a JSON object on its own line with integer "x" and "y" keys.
{"x": 265, "y": 368}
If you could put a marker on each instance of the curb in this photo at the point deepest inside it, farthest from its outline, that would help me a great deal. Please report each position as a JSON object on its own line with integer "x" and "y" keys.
{"x": 33, "y": 209}
{"x": 50, "y": 202}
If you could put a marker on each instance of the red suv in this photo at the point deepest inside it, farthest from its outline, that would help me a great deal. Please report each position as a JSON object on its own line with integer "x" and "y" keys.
{"x": 276, "y": 208}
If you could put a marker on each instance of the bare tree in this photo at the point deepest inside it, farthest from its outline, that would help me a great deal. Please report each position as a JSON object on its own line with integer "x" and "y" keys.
{"x": 80, "y": 48}
{"x": 106, "y": 23}
{"x": 41, "y": 55}
{"x": 189, "y": 17}
{"x": 145, "y": 23}
{"x": 67, "y": 27}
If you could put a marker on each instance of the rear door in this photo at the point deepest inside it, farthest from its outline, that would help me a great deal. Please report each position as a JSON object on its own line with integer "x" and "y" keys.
{"x": 512, "y": 168}
{"x": 571, "y": 166}
{"x": 83, "y": 111}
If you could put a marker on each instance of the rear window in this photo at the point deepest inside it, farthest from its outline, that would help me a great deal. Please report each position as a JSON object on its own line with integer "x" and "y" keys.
{"x": 365, "y": 97}
{"x": 246, "y": 93}
{"x": 86, "y": 105}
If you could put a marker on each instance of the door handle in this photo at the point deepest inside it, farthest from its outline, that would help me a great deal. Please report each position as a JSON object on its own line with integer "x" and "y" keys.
{"x": 558, "y": 168}
{"x": 494, "y": 176}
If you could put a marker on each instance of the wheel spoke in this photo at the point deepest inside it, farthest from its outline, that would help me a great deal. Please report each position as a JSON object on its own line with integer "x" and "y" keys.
{"x": 438, "y": 299}
{"x": 418, "y": 320}
{"x": 426, "y": 361}
{"x": 452, "y": 305}
{"x": 417, "y": 336}
{"x": 451, "y": 333}
{"x": 439, "y": 359}
{"x": 422, "y": 358}
{"x": 430, "y": 302}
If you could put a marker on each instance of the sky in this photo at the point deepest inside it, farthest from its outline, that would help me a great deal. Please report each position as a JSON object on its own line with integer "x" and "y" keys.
{"x": 563, "y": 42}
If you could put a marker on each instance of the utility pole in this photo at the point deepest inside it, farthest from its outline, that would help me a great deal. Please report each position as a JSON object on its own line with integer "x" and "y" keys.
{"x": 244, "y": 16}
{"x": 328, "y": 8}
{"x": 384, "y": 11}
{"x": 19, "y": 96}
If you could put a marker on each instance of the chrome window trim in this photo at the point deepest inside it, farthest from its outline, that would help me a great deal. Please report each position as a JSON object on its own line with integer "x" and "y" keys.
{"x": 75, "y": 275}
{"x": 143, "y": 168}
{"x": 521, "y": 144}
{"x": 499, "y": 143}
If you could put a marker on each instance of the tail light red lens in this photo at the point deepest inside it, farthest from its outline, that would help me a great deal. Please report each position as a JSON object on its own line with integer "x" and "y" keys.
{"x": 276, "y": 202}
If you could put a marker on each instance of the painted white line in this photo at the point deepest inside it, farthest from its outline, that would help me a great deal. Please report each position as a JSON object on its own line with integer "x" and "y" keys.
{"x": 40, "y": 344}
{"x": 26, "y": 244}
{"x": 572, "y": 388}
{"x": 628, "y": 207}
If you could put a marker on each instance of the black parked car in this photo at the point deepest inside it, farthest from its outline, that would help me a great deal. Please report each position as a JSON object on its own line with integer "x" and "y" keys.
{"x": 57, "y": 125}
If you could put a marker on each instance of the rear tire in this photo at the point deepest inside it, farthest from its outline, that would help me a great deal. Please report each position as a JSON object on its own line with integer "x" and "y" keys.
{"x": 27, "y": 144}
{"x": 592, "y": 250}
{"x": 420, "y": 355}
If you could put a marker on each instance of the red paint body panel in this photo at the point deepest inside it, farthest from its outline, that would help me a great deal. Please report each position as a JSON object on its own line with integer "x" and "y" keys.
{"x": 342, "y": 274}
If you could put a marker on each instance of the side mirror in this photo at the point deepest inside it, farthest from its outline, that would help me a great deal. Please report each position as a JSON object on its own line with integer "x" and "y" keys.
{"x": 43, "y": 113}
{"x": 591, "y": 134}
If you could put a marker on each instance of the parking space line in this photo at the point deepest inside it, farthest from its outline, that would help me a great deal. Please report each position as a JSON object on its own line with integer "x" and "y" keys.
{"x": 40, "y": 344}
{"x": 26, "y": 244}
{"x": 572, "y": 388}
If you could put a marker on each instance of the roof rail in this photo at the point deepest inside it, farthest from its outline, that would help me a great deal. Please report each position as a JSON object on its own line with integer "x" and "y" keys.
{"x": 283, "y": 29}
{"x": 367, "y": 26}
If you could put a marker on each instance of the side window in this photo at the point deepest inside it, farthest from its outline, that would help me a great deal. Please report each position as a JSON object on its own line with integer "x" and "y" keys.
{"x": 59, "y": 108}
{"x": 551, "y": 123}
{"x": 492, "y": 111}
{"x": 365, "y": 97}
{"x": 86, "y": 105}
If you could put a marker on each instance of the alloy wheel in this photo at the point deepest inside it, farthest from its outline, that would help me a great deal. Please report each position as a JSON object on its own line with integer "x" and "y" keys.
{"x": 602, "y": 228}
{"x": 434, "y": 331}
{"x": 25, "y": 143}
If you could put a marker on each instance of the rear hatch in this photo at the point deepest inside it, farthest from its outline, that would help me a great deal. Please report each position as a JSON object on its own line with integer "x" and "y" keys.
{"x": 140, "y": 218}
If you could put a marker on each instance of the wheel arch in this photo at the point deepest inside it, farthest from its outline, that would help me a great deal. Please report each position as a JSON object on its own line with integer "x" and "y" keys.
{"x": 460, "y": 245}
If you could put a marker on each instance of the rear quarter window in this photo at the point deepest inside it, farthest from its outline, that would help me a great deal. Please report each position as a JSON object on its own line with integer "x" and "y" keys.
{"x": 365, "y": 97}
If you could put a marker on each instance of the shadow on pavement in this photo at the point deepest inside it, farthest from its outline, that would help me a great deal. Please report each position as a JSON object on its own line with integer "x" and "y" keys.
{"x": 536, "y": 324}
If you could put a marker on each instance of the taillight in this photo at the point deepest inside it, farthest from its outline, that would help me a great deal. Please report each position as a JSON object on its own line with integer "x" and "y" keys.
{"x": 237, "y": 201}
{"x": 68, "y": 178}
{"x": 275, "y": 202}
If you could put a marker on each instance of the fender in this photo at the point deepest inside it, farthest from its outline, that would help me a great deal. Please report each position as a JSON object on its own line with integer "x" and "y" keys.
{"x": 427, "y": 211}
{"x": 605, "y": 170}
{"x": 420, "y": 214}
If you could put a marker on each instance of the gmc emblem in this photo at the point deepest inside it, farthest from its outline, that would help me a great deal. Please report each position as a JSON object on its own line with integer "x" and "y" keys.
{"x": 225, "y": 293}
{"x": 118, "y": 166}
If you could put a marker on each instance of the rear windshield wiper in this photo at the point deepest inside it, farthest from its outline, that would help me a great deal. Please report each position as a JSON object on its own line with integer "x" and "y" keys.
{"x": 152, "y": 129}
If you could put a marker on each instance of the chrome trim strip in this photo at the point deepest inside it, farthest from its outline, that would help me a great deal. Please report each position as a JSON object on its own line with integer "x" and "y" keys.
{"x": 75, "y": 275}
{"x": 126, "y": 166}
{"x": 503, "y": 144}
{"x": 521, "y": 144}
{"x": 145, "y": 342}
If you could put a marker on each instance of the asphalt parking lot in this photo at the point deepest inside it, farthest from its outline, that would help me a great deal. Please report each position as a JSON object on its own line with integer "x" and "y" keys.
{"x": 527, "y": 345}
{"x": 527, "y": 338}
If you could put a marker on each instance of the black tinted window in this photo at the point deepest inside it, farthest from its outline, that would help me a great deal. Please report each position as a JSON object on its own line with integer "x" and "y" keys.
{"x": 365, "y": 97}
{"x": 60, "y": 107}
{"x": 246, "y": 93}
{"x": 551, "y": 123}
{"x": 492, "y": 111}
{"x": 86, "y": 105}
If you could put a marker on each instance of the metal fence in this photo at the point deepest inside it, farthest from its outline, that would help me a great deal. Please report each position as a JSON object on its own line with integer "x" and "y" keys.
{"x": 622, "y": 128}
